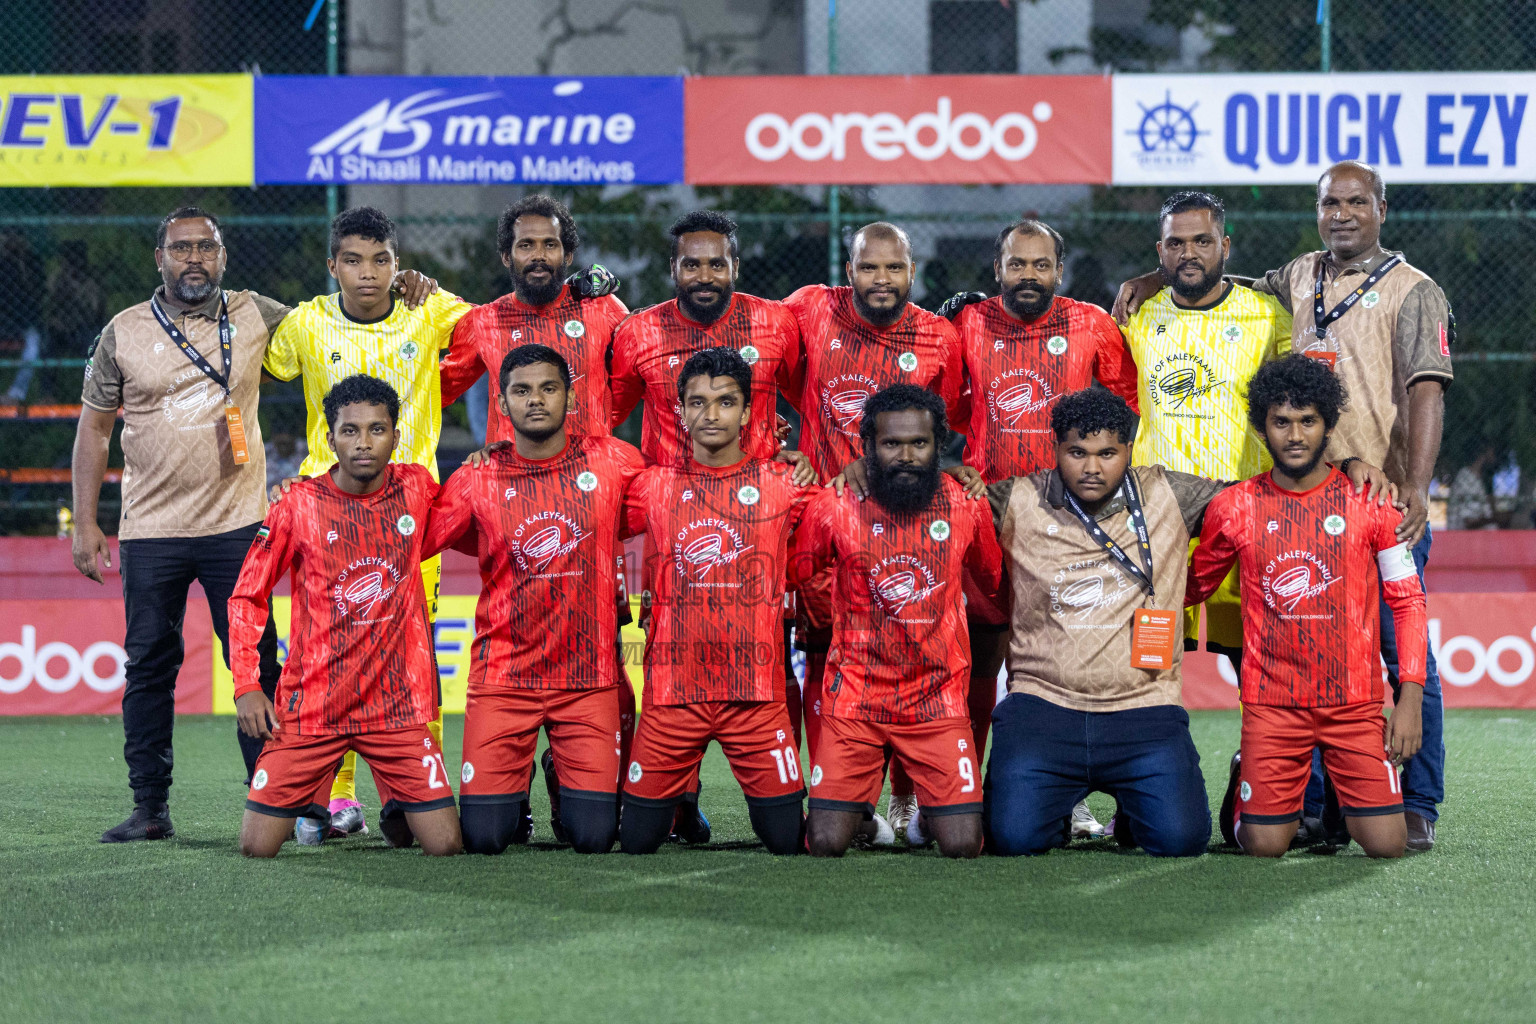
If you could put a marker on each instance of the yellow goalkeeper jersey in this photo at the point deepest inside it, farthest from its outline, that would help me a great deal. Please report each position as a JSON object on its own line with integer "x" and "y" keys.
{"x": 325, "y": 345}
{"x": 1192, "y": 373}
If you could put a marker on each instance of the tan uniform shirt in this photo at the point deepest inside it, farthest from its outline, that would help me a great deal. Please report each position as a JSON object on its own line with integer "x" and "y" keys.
{"x": 1397, "y": 333}
{"x": 1072, "y": 601}
{"x": 179, "y": 477}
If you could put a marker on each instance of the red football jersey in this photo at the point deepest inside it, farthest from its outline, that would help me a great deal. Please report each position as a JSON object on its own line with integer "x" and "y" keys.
{"x": 847, "y": 359}
{"x": 1017, "y": 371}
{"x": 900, "y": 651}
{"x": 1309, "y": 565}
{"x": 548, "y": 543}
{"x": 579, "y": 329}
{"x": 718, "y": 544}
{"x": 359, "y": 646}
{"x": 649, "y": 352}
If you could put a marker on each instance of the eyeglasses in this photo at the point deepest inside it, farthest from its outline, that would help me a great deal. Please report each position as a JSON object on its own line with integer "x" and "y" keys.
{"x": 182, "y": 251}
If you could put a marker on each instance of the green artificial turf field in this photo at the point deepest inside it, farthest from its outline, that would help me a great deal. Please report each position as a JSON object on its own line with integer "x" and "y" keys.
{"x": 187, "y": 930}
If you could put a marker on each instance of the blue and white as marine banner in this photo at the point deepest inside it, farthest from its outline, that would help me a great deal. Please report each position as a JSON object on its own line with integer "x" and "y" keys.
{"x": 1287, "y": 129}
{"x": 468, "y": 131}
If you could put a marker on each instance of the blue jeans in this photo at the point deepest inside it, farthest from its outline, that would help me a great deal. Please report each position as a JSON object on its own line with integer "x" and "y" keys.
{"x": 1046, "y": 758}
{"x": 1424, "y": 772}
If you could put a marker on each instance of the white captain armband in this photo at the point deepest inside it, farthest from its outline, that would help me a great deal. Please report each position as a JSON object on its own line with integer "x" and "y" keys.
{"x": 1396, "y": 563}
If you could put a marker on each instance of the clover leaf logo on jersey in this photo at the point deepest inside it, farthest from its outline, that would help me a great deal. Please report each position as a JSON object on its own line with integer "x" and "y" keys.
{"x": 408, "y": 350}
{"x": 748, "y": 495}
{"x": 938, "y": 530}
{"x": 907, "y": 361}
{"x": 1056, "y": 345}
{"x": 1333, "y": 525}
{"x": 467, "y": 773}
{"x": 1233, "y": 333}
{"x": 749, "y": 354}
{"x": 635, "y": 771}
{"x": 574, "y": 328}
{"x": 587, "y": 481}
{"x": 406, "y": 524}
{"x": 1370, "y": 298}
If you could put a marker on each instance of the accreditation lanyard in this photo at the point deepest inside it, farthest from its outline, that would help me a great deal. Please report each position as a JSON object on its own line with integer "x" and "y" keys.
{"x": 191, "y": 352}
{"x": 1321, "y": 320}
{"x": 1141, "y": 575}
{"x": 231, "y": 411}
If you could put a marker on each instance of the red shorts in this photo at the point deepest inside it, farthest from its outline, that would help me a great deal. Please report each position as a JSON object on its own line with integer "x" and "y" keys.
{"x": 1277, "y": 748}
{"x": 294, "y": 773}
{"x": 501, "y": 734}
{"x": 756, "y": 737}
{"x": 938, "y": 755}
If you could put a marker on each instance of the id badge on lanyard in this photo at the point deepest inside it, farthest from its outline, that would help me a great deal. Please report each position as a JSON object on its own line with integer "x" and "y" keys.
{"x": 1322, "y": 320}
{"x": 239, "y": 450}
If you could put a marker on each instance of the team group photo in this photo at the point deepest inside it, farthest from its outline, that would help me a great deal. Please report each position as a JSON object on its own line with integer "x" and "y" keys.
{"x": 878, "y": 522}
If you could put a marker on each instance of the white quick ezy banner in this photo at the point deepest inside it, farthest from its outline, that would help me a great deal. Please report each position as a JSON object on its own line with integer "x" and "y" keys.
{"x": 1288, "y": 128}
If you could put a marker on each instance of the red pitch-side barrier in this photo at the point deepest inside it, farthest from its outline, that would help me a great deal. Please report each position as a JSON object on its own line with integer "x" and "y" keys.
{"x": 61, "y": 635}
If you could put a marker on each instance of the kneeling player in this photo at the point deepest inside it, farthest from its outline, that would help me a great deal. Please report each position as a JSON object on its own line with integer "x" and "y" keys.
{"x": 898, "y": 670}
{"x": 720, "y": 526}
{"x": 360, "y": 675}
{"x": 1309, "y": 552}
{"x": 546, "y": 515}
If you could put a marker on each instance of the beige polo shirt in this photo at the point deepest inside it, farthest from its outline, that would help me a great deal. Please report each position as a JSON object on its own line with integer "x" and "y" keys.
{"x": 1397, "y": 333}
{"x": 1072, "y": 602}
{"x": 179, "y": 475}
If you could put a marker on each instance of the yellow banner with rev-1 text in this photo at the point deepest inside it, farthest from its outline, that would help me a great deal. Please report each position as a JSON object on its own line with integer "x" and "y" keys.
{"x": 103, "y": 130}
{"x": 453, "y": 635}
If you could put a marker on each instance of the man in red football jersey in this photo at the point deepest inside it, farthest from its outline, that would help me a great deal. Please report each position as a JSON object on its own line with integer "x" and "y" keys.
{"x": 1023, "y": 349}
{"x": 858, "y": 340}
{"x": 537, "y": 240}
{"x": 545, "y": 514}
{"x": 650, "y": 348}
{"x": 899, "y": 664}
{"x": 360, "y": 674}
{"x": 1309, "y": 553}
{"x": 720, "y": 529}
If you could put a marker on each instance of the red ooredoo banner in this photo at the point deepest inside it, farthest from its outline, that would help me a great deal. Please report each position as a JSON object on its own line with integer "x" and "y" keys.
{"x": 879, "y": 130}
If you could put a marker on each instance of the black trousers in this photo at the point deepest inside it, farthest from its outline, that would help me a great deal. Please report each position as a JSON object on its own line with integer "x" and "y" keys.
{"x": 156, "y": 575}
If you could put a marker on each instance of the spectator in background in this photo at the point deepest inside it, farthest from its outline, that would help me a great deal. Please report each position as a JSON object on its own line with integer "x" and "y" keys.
{"x": 285, "y": 454}
{"x": 21, "y": 289}
{"x": 1468, "y": 507}
{"x": 74, "y": 308}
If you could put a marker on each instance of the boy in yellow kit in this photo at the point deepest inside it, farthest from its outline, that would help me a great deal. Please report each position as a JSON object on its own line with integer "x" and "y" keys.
{"x": 363, "y": 329}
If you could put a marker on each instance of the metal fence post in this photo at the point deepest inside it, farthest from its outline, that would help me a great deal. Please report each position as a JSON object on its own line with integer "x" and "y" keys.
{"x": 333, "y": 68}
{"x": 834, "y": 206}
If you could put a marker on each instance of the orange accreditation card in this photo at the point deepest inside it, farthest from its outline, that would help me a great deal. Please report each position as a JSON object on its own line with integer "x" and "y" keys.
{"x": 236, "y": 434}
{"x": 1153, "y": 634}
{"x": 1323, "y": 356}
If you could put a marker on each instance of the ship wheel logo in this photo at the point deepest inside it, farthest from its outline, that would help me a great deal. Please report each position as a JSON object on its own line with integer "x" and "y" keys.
{"x": 1167, "y": 128}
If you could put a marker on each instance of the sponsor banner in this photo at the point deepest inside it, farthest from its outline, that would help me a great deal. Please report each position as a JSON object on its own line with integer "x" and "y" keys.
{"x": 468, "y": 131}
{"x": 454, "y": 635}
{"x": 934, "y": 129}
{"x": 1485, "y": 645}
{"x": 125, "y": 130}
{"x": 66, "y": 657}
{"x": 1288, "y": 128}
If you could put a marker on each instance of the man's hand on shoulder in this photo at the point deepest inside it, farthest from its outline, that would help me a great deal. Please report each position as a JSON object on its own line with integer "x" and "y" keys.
{"x": 853, "y": 478}
{"x": 969, "y": 478}
{"x": 282, "y": 487}
{"x": 413, "y": 287}
{"x": 1133, "y": 293}
{"x": 803, "y": 475}
{"x": 483, "y": 455}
